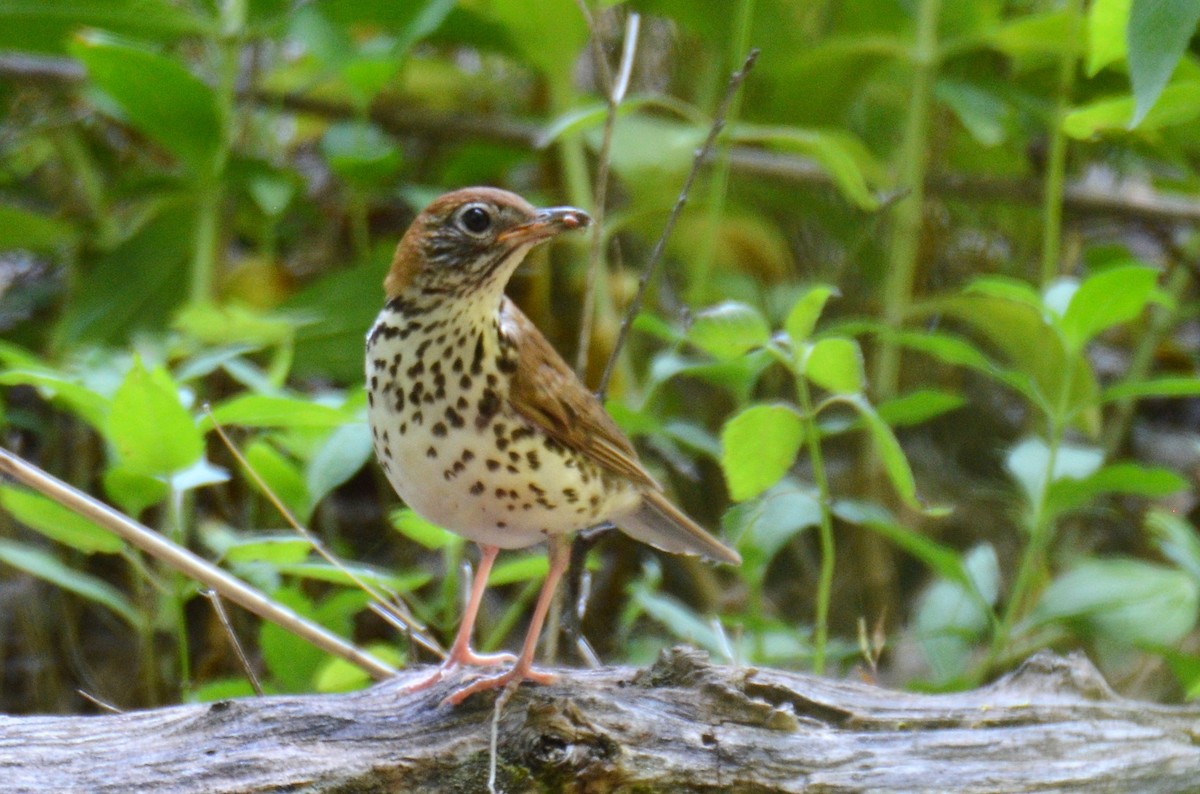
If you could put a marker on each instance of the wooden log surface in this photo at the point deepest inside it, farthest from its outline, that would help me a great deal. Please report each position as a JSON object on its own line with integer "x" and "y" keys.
{"x": 682, "y": 725}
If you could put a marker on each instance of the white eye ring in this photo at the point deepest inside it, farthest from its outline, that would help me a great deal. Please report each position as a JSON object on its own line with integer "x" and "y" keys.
{"x": 475, "y": 219}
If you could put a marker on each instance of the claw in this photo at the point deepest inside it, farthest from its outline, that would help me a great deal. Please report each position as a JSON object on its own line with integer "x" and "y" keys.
{"x": 517, "y": 674}
{"x": 464, "y": 657}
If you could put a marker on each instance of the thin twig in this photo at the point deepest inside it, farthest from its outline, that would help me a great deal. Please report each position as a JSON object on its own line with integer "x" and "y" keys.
{"x": 214, "y": 598}
{"x": 103, "y": 704}
{"x": 189, "y": 564}
{"x": 381, "y": 599}
{"x": 735, "y": 81}
{"x": 616, "y": 93}
{"x": 494, "y": 738}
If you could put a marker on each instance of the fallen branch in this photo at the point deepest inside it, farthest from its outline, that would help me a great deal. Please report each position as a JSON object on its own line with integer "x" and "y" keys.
{"x": 1130, "y": 203}
{"x": 682, "y": 725}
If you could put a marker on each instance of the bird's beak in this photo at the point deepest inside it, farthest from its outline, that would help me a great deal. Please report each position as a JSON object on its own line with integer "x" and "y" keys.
{"x": 547, "y": 223}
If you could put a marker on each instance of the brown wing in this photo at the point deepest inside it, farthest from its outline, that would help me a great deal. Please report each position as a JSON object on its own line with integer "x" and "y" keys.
{"x": 547, "y": 393}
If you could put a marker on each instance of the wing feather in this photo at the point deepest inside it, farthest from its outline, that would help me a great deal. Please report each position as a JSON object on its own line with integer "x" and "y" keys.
{"x": 546, "y": 392}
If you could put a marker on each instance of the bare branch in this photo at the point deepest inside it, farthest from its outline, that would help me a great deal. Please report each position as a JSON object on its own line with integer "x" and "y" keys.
{"x": 616, "y": 92}
{"x": 735, "y": 82}
{"x": 189, "y": 564}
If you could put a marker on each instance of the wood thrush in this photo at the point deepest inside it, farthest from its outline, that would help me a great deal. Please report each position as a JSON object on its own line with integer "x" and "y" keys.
{"x": 480, "y": 425}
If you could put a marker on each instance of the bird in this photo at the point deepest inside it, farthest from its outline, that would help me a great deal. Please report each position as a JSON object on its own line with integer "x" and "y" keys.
{"x": 482, "y": 428}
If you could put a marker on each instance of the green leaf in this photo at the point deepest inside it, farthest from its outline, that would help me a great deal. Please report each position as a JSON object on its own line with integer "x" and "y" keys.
{"x": 586, "y": 117}
{"x": 1127, "y": 601}
{"x": 360, "y": 154}
{"x": 409, "y": 21}
{"x": 549, "y": 48}
{"x": 1018, "y": 327}
{"x": 338, "y": 675}
{"x": 1178, "y": 104}
{"x": 984, "y": 114}
{"x": 945, "y": 561}
{"x": 57, "y": 522}
{"x": 280, "y": 549}
{"x": 523, "y": 568}
{"x": 805, "y": 312}
{"x": 151, "y": 430}
{"x": 291, "y": 660}
{"x": 22, "y": 229}
{"x": 430, "y": 535}
{"x": 1029, "y": 461}
{"x": 1120, "y": 478}
{"x": 952, "y": 617}
{"x": 729, "y": 330}
{"x": 48, "y": 568}
{"x": 1107, "y": 21}
{"x": 280, "y": 475}
{"x": 895, "y": 464}
{"x": 648, "y": 147}
{"x": 835, "y": 364}
{"x": 840, "y": 154}
{"x": 233, "y": 324}
{"x": 1177, "y": 539}
{"x": 738, "y": 375}
{"x": 258, "y": 410}
{"x": 1111, "y": 297}
{"x": 1154, "y": 387}
{"x": 134, "y": 491}
{"x": 79, "y": 399}
{"x": 1185, "y": 668}
{"x": 680, "y": 620}
{"x": 344, "y": 302}
{"x": 199, "y": 475}
{"x": 1159, "y": 32}
{"x": 105, "y": 309}
{"x": 919, "y": 406}
{"x": 45, "y": 25}
{"x": 338, "y": 459}
{"x": 346, "y": 575}
{"x": 759, "y": 445}
{"x": 1037, "y": 36}
{"x": 764, "y": 525}
{"x": 1010, "y": 289}
{"x": 159, "y": 96}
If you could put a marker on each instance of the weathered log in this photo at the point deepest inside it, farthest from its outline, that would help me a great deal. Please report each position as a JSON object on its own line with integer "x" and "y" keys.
{"x": 682, "y": 725}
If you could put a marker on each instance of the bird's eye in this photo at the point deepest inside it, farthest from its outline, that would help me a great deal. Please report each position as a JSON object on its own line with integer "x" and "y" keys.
{"x": 475, "y": 219}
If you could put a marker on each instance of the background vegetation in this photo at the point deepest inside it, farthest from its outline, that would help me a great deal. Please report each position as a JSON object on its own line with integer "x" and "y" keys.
{"x": 923, "y": 345}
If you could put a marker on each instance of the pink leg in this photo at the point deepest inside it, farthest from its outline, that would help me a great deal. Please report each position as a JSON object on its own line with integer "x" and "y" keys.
{"x": 461, "y": 652}
{"x": 523, "y": 670}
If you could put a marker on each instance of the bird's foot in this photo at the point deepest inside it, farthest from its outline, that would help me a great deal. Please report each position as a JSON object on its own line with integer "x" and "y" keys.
{"x": 520, "y": 672}
{"x": 464, "y": 657}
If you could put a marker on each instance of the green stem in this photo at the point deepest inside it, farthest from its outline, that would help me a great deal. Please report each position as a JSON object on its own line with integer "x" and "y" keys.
{"x": 906, "y": 229}
{"x": 719, "y": 185}
{"x": 812, "y": 437}
{"x": 204, "y": 253}
{"x": 1041, "y": 533}
{"x": 179, "y": 585}
{"x": 1056, "y": 166}
{"x": 1162, "y": 318}
{"x": 210, "y": 185}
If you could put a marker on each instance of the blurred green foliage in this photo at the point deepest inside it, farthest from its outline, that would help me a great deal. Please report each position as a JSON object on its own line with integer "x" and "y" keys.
{"x": 924, "y": 347}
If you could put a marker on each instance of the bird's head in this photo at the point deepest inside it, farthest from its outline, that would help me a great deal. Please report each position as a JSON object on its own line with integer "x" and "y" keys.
{"x": 470, "y": 241}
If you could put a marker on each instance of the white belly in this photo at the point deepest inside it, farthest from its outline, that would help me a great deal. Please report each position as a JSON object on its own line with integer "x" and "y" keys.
{"x": 458, "y": 455}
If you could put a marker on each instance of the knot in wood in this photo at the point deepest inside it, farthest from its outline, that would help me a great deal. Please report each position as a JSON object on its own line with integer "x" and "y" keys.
{"x": 557, "y": 742}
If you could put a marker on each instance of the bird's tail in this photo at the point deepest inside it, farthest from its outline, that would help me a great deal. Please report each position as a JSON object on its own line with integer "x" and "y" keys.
{"x": 660, "y": 524}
